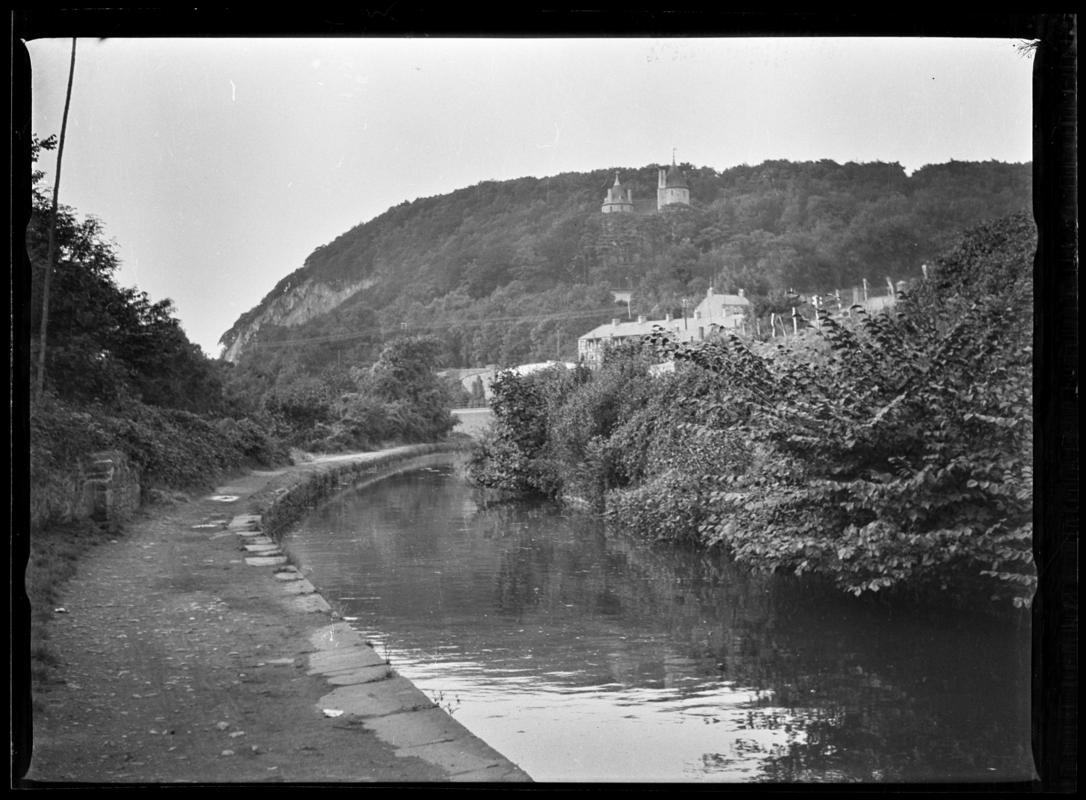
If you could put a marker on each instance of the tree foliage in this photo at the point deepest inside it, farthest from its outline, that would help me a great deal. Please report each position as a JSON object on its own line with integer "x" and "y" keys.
{"x": 108, "y": 343}
{"x": 513, "y": 271}
{"x": 883, "y": 452}
{"x": 396, "y": 399}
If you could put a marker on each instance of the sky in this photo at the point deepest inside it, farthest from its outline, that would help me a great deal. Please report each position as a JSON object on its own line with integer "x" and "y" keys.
{"x": 218, "y": 165}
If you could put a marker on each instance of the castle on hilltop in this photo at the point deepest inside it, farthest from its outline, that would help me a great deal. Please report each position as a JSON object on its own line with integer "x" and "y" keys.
{"x": 671, "y": 190}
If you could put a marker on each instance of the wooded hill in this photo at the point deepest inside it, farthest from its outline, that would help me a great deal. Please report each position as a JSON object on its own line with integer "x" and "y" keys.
{"x": 514, "y": 271}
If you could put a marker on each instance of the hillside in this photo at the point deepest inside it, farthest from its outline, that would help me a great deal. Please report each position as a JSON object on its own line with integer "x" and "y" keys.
{"x": 513, "y": 271}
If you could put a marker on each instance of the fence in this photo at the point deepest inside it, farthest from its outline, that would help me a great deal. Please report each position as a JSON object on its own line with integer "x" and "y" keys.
{"x": 810, "y": 310}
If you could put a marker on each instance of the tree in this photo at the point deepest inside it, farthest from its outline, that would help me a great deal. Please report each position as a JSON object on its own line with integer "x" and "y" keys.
{"x": 404, "y": 379}
{"x": 106, "y": 343}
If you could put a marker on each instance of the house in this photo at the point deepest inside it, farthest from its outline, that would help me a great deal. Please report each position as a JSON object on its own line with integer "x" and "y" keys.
{"x": 728, "y": 311}
{"x": 725, "y": 311}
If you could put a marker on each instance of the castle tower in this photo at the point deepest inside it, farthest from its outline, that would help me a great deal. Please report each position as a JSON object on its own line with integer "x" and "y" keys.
{"x": 671, "y": 188}
{"x": 619, "y": 200}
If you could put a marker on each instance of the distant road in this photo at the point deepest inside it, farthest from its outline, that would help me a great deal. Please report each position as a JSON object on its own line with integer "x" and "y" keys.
{"x": 473, "y": 421}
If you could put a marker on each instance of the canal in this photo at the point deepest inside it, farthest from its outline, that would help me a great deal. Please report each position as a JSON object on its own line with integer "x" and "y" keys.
{"x": 590, "y": 656}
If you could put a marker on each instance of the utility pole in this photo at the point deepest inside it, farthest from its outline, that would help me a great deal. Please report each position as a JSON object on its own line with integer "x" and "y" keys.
{"x": 52, "y": 251}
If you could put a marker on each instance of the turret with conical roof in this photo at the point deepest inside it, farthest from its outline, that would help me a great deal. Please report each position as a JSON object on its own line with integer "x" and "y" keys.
{"x": 619, "y": 199}
{"x": 671, "y": 187}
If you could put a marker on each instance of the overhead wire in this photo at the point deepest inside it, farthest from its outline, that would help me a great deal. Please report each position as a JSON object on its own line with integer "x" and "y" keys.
{"x": 436, "y": 326}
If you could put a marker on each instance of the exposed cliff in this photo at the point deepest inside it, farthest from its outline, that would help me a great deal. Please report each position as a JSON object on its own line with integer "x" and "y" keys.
{"x": 293, "y": 305}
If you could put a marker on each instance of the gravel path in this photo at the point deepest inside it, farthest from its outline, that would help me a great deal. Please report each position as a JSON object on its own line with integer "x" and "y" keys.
{"x": 181, "y": 662}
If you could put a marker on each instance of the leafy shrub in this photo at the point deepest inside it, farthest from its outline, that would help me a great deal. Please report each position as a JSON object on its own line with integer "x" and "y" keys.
{"x": 172, "y": 449}
{"x": 512, "y": 456}
{"x": 908, "y": 449}
{"x": 669, "y": 507}
{"x": 880, "y": 452}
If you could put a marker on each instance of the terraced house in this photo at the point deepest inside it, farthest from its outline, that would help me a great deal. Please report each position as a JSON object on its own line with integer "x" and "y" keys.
{"x": 725, "y": 311}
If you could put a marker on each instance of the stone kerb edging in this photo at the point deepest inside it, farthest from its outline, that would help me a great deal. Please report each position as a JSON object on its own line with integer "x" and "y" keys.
{"x": 364, "y": 685}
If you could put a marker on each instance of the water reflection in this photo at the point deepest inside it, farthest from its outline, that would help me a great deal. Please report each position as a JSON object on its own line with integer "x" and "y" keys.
{"x": 585, "y": 656}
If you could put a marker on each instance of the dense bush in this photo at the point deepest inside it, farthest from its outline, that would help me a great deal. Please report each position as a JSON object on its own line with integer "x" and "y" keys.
{"x": 882, "y": 452}
{"x": 512, "y": 456}
{"x": 907, "y": 457}
{"x": 172, "y": 449}
{"x": 398, "y": 399}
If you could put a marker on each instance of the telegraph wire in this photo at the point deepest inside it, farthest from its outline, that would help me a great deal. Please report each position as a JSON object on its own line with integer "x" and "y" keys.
{"x": 384, "y": 330}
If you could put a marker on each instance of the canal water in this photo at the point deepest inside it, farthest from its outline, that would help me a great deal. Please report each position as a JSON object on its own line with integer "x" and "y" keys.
{"x": 585, "y": 656}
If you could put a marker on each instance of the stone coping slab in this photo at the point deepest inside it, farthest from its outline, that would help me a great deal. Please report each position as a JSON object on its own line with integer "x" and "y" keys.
{"x": 266, "y": 561}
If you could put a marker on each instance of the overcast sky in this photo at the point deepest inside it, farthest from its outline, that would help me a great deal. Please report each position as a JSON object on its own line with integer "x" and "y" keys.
{"x": 218, "y": 165}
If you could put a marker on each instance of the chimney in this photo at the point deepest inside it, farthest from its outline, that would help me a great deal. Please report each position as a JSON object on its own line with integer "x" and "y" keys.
{"x": 614, "y": 321}
{"x": 667, "y": 317}
{"x": 742, "y": 292}
{"x": 640, "y": 319}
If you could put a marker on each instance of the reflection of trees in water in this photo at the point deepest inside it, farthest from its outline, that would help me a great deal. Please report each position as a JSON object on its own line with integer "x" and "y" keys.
{"x": 414, "y": 504}
{"x": 850, "y": 690}
{"x": 882, "y": 741}
{"x": 860, "y": 690}
{"x": 877, "y": 700}
{"x": 521, "y": 576}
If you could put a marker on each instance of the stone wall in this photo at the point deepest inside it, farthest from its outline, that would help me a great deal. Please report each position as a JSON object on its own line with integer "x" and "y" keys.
{"x": 111, "y": 490}
{"x": 282, "y": 505}
{"x": 102, "y": 486}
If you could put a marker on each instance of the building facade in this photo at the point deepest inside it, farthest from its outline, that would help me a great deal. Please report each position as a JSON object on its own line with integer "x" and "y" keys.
{"x": 714, "y": 312}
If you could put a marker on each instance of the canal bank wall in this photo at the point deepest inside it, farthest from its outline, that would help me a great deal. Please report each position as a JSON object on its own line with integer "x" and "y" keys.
{"x": 288, "y": 498}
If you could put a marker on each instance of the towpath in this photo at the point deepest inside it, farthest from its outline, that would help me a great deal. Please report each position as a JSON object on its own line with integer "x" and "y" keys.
{"x": 186, "y": 655}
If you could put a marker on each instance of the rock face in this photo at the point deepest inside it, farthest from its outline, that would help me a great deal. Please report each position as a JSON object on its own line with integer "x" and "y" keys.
{"x": 293, "y": 305}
